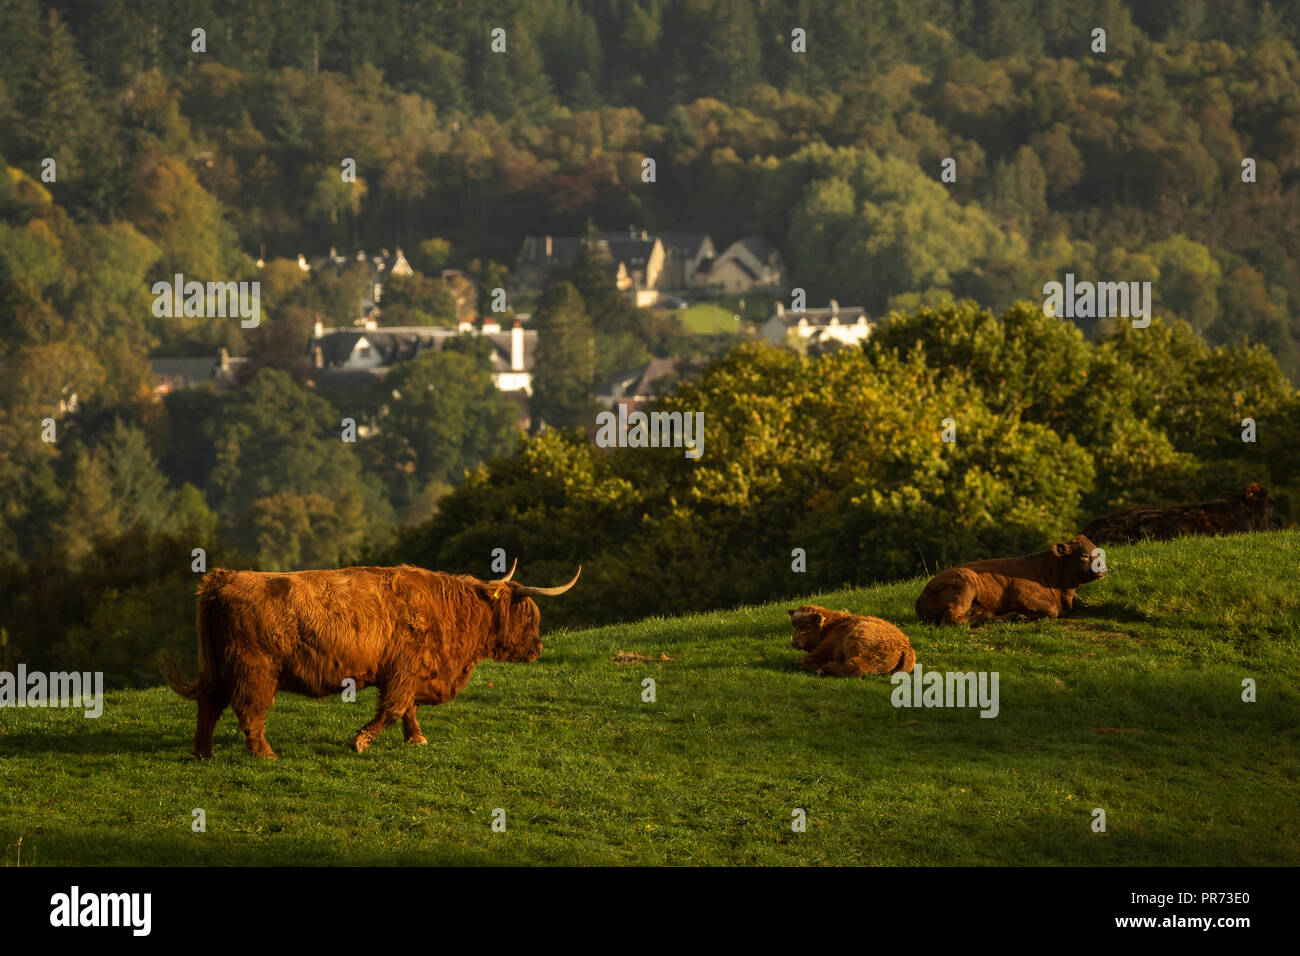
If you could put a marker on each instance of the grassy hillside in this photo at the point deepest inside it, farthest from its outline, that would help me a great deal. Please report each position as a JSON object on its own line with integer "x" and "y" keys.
{"x": 1133, "y": 705}
{"x": 704, "y": 318}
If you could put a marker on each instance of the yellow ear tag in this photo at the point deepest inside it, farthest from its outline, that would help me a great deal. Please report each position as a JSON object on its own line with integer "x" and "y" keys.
{"x": 496, "y": 594}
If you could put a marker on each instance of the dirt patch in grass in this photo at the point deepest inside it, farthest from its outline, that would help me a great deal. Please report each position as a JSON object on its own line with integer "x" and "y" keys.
{"x": 634, "y": 657}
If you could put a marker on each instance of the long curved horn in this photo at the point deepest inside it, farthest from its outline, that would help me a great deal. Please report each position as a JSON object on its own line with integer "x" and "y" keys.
{"x": 512, "y": 571}
{"x": 549, "y": 592}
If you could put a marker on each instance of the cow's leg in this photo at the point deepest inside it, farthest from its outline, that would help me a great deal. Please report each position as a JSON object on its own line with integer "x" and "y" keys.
{"x": 1029, "y": 607}
{"x": 391, "y": 709}
{"x": 853, "y": 667}
{"x": 210, "y": 708}
{"x": 411, "y": 726}
{"x": 816, "y": 659}
{"x": 252, "y": 696}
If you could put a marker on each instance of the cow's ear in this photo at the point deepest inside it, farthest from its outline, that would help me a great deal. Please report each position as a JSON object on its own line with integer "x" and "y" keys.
{"x": 1255, "y": 492}
{"x": 792, "y": 611}
{"x": 1060, "y": 550}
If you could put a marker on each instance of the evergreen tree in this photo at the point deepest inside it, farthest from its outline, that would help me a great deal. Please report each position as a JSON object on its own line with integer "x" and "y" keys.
{"x": 564, "y": 376}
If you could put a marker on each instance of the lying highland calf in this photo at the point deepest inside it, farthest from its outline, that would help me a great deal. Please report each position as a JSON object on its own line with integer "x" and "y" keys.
{"x": 1011, "y": 589}
{"x": 1250, "y": 509}
{"x": 414, "y": 634}
{"x": 849, "y": 645}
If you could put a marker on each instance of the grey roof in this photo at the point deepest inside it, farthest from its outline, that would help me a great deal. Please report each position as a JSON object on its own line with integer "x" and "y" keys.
{"x": 687, "y": 243}
{"x": 501, "y": 349}
{"x": 645, "y": 379}
{"x": 563, "y": 251}
{"x": 846, "y": 314}
{"x": 384, "y": 262}
{"x": 189, "y": 371}
{"x": 759, "y": 247}
{"x": 399, "y": 345}
{"x": 635, "y": 253}
{"x": 706, "y": 267}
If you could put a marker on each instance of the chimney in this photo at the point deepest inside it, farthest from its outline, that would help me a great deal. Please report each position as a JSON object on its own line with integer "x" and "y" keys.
{"x": 780, "y": 308}
{"x": 548, "y": 247}
{"x": 223, "y": 359}
{"x": 318, "y": 357}
{"x": 517, "y": 348}
{"x": 319, "y": 330}
{"x": 835, "y": 307}
{"x": 333, "y": 253}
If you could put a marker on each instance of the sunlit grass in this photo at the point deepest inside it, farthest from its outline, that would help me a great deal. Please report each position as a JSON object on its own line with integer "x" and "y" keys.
{"x": 1133, "y": 706}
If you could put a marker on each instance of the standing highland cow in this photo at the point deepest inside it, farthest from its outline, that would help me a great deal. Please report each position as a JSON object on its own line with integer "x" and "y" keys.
{"x": 849, "y": 645}
{"x": 414, "y": 634}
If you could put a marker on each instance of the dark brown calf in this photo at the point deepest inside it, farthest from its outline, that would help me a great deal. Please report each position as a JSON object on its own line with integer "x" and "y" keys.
{"x": 1251, "y": 509}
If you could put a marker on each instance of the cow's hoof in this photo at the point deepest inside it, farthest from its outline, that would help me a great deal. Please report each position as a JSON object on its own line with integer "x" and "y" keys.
{"x": 359, "y": 744}
{"x": 202, "y": 756}
{"x": 266, "y": 755}
{"x": 417, "y": 739}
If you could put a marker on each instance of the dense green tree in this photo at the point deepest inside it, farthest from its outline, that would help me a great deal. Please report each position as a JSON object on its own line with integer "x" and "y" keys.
{"x": 564, "y": 378}
{"x": 274, "y": 437}
{"x": 443, "y": 415}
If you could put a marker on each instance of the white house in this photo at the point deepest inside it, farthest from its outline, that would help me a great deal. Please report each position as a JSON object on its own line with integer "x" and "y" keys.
{"x": 818, "y": 327}
{"x": 748, "y": 264}
{"x": 380, "y": 268}
{"x": 375, "y": 350}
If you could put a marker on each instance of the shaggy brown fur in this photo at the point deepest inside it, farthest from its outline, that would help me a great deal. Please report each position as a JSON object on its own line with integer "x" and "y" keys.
{"x": 1250, "y": 509}
{"x": 1009, "y": 589}
{"x": 849, "y": 645}
{"x": 414, "y": 634}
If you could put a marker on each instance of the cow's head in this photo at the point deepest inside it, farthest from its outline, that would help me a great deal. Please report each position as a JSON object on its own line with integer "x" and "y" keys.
{"x": 1076, "y": 560}
{"x": 517, "y": 634}
{"x": 1262, "y": 507}
{"x": 808, "y": 621}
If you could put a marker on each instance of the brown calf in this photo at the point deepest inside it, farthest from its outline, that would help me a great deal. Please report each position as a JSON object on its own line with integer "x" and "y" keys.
{"x": 849, "y": 645}
{"x": 1010, "y": 589}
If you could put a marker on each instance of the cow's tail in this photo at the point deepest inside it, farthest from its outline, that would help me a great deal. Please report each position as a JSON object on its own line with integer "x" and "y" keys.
{"x": 209, "y": 606}
{"x": 905, "y": 662}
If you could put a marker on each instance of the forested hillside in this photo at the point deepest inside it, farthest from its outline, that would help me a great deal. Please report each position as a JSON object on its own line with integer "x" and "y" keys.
{"x": 1124, "y": 163}
{"x": 133, "y": 148}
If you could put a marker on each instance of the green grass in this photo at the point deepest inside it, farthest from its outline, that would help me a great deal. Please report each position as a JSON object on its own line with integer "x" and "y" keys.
{"x": 703, "y": 318}
{"x": 1133, "y": 705}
